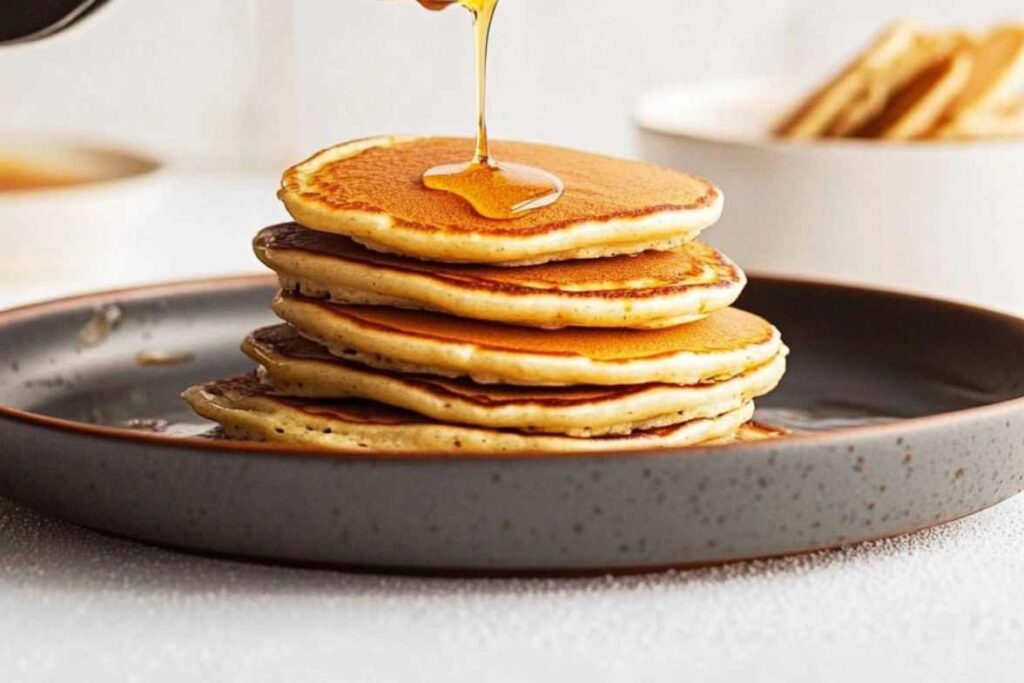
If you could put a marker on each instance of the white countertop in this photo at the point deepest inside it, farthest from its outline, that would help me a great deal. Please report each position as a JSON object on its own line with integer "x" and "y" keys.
{"x": 942, "y": 605}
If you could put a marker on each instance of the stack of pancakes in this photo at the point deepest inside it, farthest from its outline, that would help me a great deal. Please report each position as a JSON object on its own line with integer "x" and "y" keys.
{"x": 414, "y": 324}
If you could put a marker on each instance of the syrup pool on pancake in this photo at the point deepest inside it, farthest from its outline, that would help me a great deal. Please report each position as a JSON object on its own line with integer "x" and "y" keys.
{"x": 495, "y": 189}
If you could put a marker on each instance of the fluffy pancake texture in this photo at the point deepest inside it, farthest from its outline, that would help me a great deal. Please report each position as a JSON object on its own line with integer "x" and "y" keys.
{"x": 294, "y": 366}
{"x": 648, "y": 290}
{"x": 724, "y": 344}
{"x": 371, "y": 191}
{"x": 247, "y": 409}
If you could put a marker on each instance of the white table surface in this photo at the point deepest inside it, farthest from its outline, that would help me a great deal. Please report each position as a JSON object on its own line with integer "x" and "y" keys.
{"x": 942, "y": 605}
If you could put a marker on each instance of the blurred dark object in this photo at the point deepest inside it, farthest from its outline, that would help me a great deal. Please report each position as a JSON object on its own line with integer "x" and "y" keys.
{"x": 25, "y": 20}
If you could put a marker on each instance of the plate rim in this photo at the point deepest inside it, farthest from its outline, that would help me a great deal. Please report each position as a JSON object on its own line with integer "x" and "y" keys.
{"x": 249, "y": 280}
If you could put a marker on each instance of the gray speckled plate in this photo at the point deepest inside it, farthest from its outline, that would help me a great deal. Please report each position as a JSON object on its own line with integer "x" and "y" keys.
{"x": 920, "y": 401}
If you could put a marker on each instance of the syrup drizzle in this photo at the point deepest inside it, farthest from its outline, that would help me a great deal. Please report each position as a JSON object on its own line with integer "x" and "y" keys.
{"x": 495, "y": 189}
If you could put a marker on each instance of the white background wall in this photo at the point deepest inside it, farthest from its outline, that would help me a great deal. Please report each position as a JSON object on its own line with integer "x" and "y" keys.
{"x": 258, "y": 82}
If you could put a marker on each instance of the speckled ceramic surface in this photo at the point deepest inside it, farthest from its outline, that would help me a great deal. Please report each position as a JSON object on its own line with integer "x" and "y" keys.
{"x": 934, "y": 386}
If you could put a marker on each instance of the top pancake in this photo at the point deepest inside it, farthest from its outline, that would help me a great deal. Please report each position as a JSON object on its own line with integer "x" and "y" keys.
{"x": 371, "y": 190}
{"x": 648, "y": 290}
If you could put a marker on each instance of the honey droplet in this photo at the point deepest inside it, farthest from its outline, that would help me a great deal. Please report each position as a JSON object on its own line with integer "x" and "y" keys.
{"x": 494, "y": 189}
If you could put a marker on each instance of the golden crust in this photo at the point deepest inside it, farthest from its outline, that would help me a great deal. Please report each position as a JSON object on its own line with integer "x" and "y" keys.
{"x": 856, "y": 83}
{"x": 919, "y": 85}
{"x": 723, "y": 331}
{"x": 247, "y": 409}
{"x": 1001, "y": 121}
{"x": 884, "y": 84}
{"x": 295, "y": 366}
{"x": 371, "y": 190}
{"x": 724, "y": 344}
{"x": 652, "y": 289}
{"x": 997, "y": 74}
{"x": 917, "y": 109}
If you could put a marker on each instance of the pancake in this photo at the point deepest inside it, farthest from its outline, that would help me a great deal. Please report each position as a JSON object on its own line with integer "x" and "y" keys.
{"x": 857, "y": 82}
{"x": 917, "y": 109}
{"x": 882, "y": 85}
{"x": 294, "y": 366}
{"x": 371, "y": 190}
{"x": 652, "y": 289}
{"x": 724, "y": 344}
{"x": 1001, "y": 121}
{"x": 246, "y": 409}
{"x": 997, "y": 74}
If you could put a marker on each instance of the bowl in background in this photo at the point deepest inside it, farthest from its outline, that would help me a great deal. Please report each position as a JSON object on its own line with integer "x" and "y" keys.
{"x": 68, "y": 209}
{"x": 943, "y": 218}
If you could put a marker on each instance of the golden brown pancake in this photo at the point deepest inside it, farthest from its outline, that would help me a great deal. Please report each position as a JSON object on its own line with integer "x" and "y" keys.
{"x": 371, "y": 191}
{"x": 857, "y": 82}
{"x": 724, "y": 344}
{"x": 883, "y": 84}
{"x": 917, "y": 109}
{"x": 999, "y": 121}
{"x": 295, "y": 366}
{"x": 997, "y": 74}
{"x": 247, "y": 409}
{"x": 652, "y": 289}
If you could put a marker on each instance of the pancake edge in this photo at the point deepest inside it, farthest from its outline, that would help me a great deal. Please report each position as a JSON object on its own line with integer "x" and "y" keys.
{"x": 639, "y": 407}
{"x": 592, "y": 238}
{"x": 1003, "y": 84}
{"x": 924, "y": 113}
{"x": 818, "y": 111}
{"x": 394, "y": 350}
{"x": 262, "y": 418}
{"x": 352, "y": 281}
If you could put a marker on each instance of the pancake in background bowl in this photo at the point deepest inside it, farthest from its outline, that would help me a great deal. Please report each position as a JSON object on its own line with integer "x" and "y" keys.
{"x": 916, "y": 84}
{"x": 916, "y": 110}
